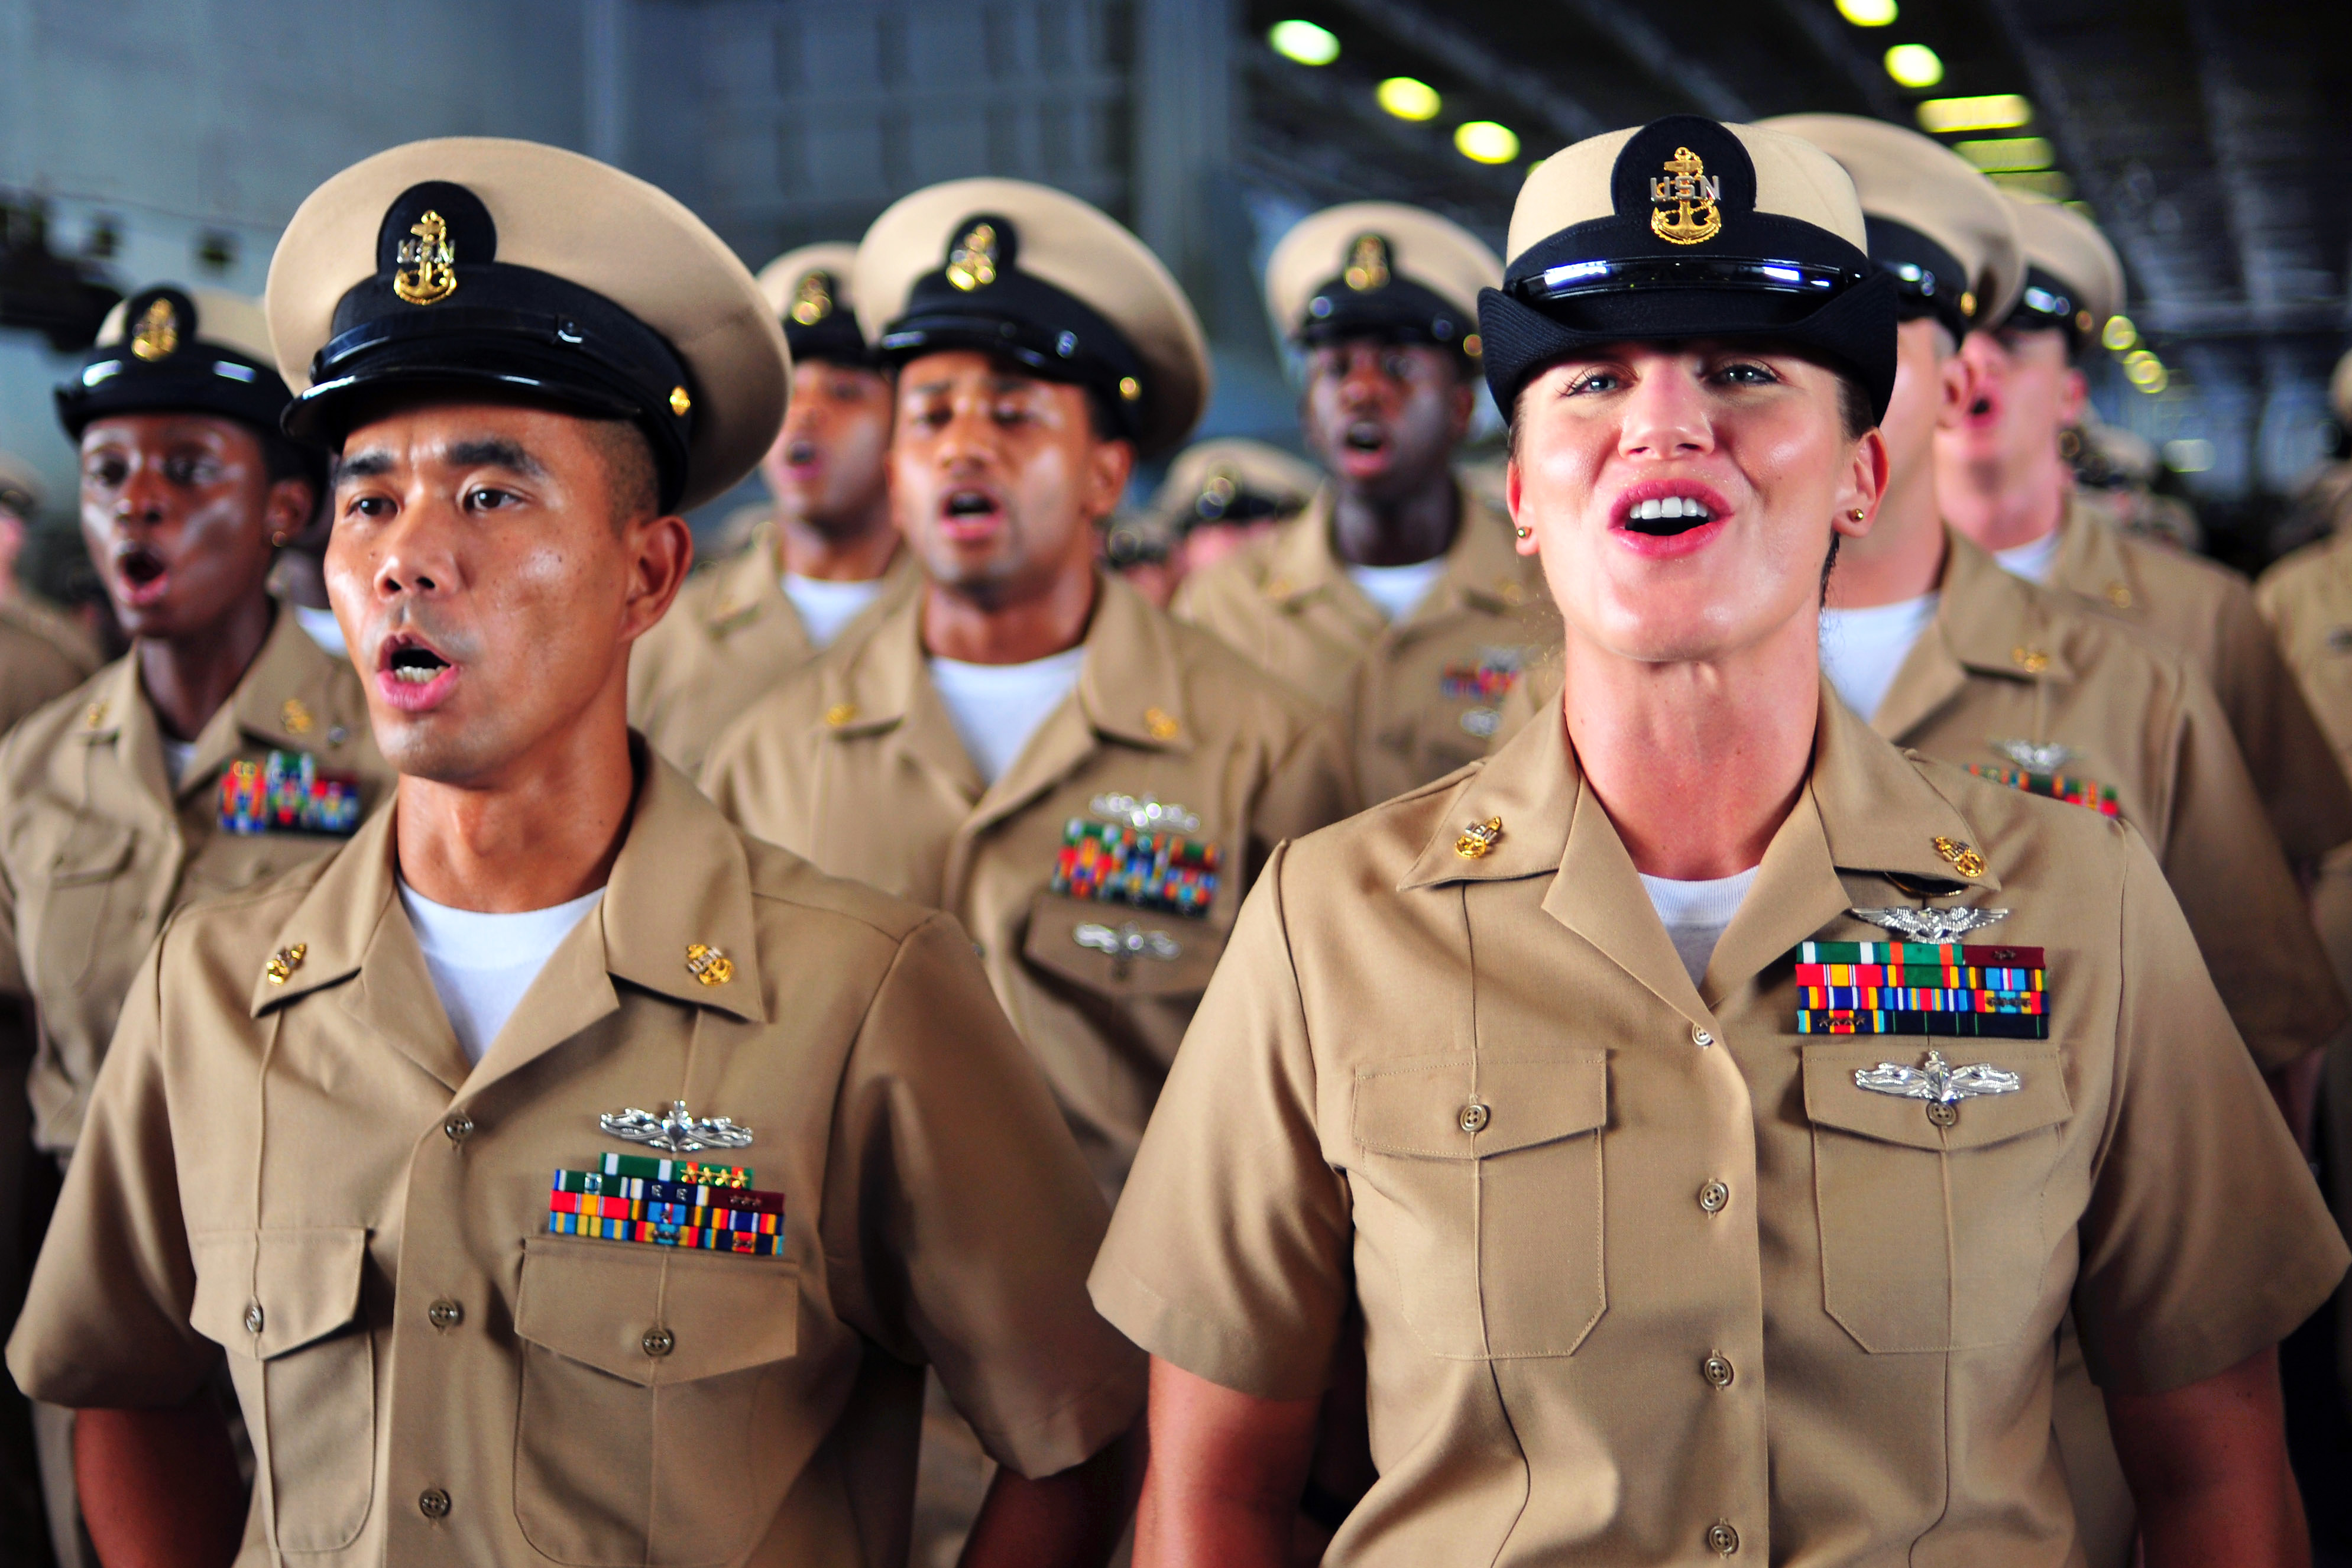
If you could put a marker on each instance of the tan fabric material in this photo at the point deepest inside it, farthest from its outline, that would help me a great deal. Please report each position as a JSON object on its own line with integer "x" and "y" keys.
{"x": 1539, "y": 1296}
{"x": 43, "y": 656}
{"x": 853, "y": 764}
{"x": 2006, "y": 661}
{"x": 96, "y": 846}
{"x": 1288, "y": 602}
{"x": 730, "y": 637}
{"x": 267, "y": 1170}
{"x": 2204, "y": 611}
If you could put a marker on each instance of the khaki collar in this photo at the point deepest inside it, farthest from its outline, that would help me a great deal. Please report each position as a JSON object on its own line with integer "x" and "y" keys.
{"x": 1482, "y": 571}
{"x": 1990, "y": 623}
{"x": 682, "y": 879}
{"x": 1866, "y": 810}
{"x": 752, "y": 581}
{"x": 2090, "y": 560}
{"x": 284, "y": 700}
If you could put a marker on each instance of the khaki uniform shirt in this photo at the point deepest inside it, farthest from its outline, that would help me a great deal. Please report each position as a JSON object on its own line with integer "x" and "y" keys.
{"x": 43, "y": 656}
{"x": 732, "y": 635}
{"x": 2208, "y": 613}
{"x": 1421, "y": 695}
{"x": 855, "y": 764}
{"x": 2008, "y": 668}
{"x": 97, "y": 845}
{"x": 308, "y": 1176}
{"x": 1645, "y": 1275}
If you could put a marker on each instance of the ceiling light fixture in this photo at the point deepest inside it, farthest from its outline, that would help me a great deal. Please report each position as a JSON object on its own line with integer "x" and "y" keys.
{"x": 1302, "y": 42}
{"x": 1484, "y": 141}
{"x": 1914, "y": 65}
{"x": 1408, "y": 98}
{"x": 2119, "y": 334}
{"x": 1994, "y": 112}
{"x": 2008, "y": 153}
{"x": 1867, "y": 13}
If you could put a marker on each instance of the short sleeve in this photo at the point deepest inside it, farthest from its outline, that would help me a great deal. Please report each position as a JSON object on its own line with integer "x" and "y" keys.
{"x": 1229, "y": 1253}
{"x": 960, "y": 1217}
{"x": 105, "y": 1323}
{"x": 2206, "y": 1240}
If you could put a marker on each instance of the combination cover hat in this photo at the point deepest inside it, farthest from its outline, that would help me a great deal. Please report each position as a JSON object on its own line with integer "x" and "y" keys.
{"x": 173, "y": 349}
{"x": 1687, "y": 227}
{"x": 2074, "y": 277}
{"x": 1042, "y": 279}
{"x": 1935, "y": 222}
{"x": 477, "y": 262}
{"x": 1379, "y": 270}
{"x": 1233, "y": 480}
{"x": 808, "y": 289}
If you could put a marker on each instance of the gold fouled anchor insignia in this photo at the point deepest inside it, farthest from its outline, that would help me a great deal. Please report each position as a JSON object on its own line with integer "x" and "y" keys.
{"x": 1368, "y": 264}
{"x": 708, "y": 964}
{"x": 428, "y": 263}
{"x": 972, "y": 263}
{"x": 813, "y": 300}
{"x": 1960, "y": 857}
{"x": 285, "y": 961}
{"x": 1693, "y": 192}
{"x": 1479, "y": 838}
{"x": 158, "y": 333}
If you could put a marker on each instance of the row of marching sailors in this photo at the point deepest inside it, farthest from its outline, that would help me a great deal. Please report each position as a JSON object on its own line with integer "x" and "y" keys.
{"x": 565, "y": 1163}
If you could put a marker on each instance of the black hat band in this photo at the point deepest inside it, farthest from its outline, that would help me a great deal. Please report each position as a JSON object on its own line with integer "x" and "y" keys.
{"x": 1929, "y": 280}
{"x": 1399, "y": 311}
{"x": 1028, "y": 321}
{"x": 162, "y": 366}
{"x": 2049, "y": 305}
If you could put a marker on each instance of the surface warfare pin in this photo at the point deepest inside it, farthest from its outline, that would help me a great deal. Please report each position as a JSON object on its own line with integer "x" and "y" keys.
{"x": 679, "y": 1132}
{"x": 1940, "y": 1084}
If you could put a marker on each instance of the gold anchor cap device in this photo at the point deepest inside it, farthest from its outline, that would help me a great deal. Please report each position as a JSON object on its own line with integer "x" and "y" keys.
{"x": 1687, "y": 227}
{"x": 171, "y": 349}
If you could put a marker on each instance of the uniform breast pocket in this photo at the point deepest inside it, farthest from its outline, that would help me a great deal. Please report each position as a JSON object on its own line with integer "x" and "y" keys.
{"x": 1933, "y": 1236}
{"x": 651, "y": 1381}
{"x": 1485, "y": 1203}
{"x": 76, "y": 890}
{"x": 286, "y": 1304}
{"x": 1116, "y": 950}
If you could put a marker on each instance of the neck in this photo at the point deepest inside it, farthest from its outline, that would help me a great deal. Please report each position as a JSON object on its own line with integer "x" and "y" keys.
{"x": 2000, "y": 505}
{"x": 1697, "y": 764}
{"x": 187, "y": 678}
{"x": 540, "y": 832}
{"x": 1395, "y": 531}
{"x": 855, "y": 550}
{"x": 983, "y": 628}
{"x": 1902, "y": 556}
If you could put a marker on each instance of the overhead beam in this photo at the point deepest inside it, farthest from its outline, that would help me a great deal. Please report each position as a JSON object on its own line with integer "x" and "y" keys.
{"x": 1656, "y": 54}
{"x": 1334, "y": 99}
{"x": 1468, "y": 56}
{"x": 1835, "y": 45}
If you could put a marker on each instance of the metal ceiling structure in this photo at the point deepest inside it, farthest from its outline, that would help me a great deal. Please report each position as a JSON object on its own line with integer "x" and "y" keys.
{"x": 2197, "y": 133}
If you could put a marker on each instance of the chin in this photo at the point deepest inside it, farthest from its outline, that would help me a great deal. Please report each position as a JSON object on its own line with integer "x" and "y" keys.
{"x": 433, "y": 748}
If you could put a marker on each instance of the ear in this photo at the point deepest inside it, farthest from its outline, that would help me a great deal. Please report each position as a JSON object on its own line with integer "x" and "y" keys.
{"x": 1108, "y": 466}
{"x": 1465, "y": 406}
{"x": 2074, "y": 391}
{"x": 1525, "y": 543}
{"x": 1864, "y": 482}
{"x": 291, "y": 505}
{"x": 661, "y": 551}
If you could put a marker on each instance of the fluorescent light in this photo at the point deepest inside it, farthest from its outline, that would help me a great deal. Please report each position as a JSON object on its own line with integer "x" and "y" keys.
{"x": 1996, "y": 111}
{"x": 1408, "y": 98}
{"x": 2008, "y": 152}
{"x": 1302, "y": 42}
{"x": 2119, "y": 334}
{"x": 2036, "y": 184}
{"x": 1484, "y": 141}
{"x": 1867, "y": 13}
{"x": 1914, "y": 65}
{"x": 2191, "y": 455}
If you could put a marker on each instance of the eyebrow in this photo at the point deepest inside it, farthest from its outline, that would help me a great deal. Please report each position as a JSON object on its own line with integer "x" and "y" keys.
{"x": 495, "y": 452}
{"x": 366, "y": 466}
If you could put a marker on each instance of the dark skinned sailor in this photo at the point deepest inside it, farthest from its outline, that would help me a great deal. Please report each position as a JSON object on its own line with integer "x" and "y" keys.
{"x": 1673, "y": 1245}
{"x": 1395, "y": 598}
{"x": 2005, "y": 482}
{"x": 223, "y": 749}
{"x": 563, "y": 1175}
{"x": 1085, "y": 782}
{"x": 43, "y": 654}
{"x": 825, "y": 563}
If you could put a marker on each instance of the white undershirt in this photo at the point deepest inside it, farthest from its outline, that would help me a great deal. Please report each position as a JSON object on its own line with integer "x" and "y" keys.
{"x": 995, "y": 708}
{"x": 482, "y": 964}
{"x": 178, "y": 755}
{"x": 826, "y": 606}
{"x": 1397, "y": 589}
{"x": 324, "y": 629}
{"x": 1695, "y": 913}
{"x": 1862, "y": 649}
{"x": 2032, "y": 562}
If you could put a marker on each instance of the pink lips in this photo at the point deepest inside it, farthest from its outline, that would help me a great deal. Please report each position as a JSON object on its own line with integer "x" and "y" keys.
{"x": 411, "y": 696}
{"x": 1668, "y": 546}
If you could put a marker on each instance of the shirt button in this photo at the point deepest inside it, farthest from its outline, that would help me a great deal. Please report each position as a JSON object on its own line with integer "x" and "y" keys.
{"x": 1713, "y": 1197}
{"x": 659, "y": 1341}
{"x": 1717, "y": 1371}
{"x": 444, "y": 1314}
{"x": 1700, "y": 1037}
{"x": 253, "y": 1319}
{"x": 1475, "y": 1117}
{"x": 434, "y": 1503}
{"x": 458, "y": 1128}
{"x": 1722, "y": 1539}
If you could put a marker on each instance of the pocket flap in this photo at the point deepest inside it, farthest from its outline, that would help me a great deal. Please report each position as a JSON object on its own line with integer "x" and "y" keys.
{"x": 304, "y": 1283}
{"x": 93, "y": 852}
{"x": 1833, "y": 1099}
{"x": 603, "y": 1302}
{"x": 1417, "y": 1106}
{"x": 1121, "y": 952}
